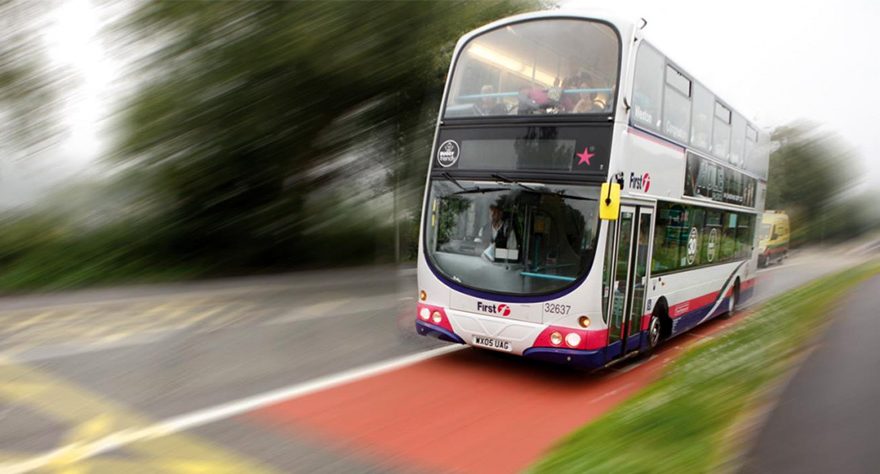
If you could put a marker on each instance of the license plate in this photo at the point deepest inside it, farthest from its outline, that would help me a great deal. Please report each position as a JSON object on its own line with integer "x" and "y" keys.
{"x": 491, "y": 343}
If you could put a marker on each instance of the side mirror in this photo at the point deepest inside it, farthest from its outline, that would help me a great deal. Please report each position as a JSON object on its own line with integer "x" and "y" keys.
{"x": 609, "y": 202}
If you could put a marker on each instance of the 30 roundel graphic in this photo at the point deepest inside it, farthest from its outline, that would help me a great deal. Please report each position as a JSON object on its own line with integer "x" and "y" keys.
{"x": 646, "y": 182}
{"x": 504, "y": 310}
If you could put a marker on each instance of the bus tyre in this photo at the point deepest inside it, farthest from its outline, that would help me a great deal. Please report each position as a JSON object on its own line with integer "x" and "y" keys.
{"x": 732, "y": 301}
{"x": 655, "y": 333}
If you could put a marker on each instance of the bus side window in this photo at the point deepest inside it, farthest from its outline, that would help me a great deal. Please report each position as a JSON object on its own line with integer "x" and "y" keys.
{"x": 744, "y": 236}
{"x": 648, "y": 87}
{"x": 728, "y": 236}
{"x": 712, "y": 233}
{"x": 667, "y": 233}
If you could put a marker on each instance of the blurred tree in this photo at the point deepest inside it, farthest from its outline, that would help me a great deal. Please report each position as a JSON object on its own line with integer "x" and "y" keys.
{"x": 811, "y": 172}
{"x": 243, "y": 105}
{"x": 29, "y": 86}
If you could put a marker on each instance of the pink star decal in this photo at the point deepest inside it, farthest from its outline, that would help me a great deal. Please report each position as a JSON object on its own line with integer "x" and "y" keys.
{"x": 585, "y": 156}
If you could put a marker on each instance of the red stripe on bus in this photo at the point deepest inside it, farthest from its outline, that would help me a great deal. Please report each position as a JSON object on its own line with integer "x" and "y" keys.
{"x": 685, "y": 307}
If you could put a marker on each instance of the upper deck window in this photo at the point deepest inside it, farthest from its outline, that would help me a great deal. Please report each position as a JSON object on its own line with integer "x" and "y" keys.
{"x": 737, "y": 139}
{"x": 648, "y": 87}
{"x": 678, "y": 80}
{"x": 538, "y": 67}
{"x": 701, "y": 125}
{"x": 677, "y": 105}
{"x": 721, "y": 132}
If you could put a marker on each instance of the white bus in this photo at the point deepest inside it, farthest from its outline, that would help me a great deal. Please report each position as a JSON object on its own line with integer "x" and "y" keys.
{"x": 587, "y": 198}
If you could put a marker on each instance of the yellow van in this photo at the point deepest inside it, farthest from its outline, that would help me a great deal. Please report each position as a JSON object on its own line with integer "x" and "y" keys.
{"x": 773, "y": 238}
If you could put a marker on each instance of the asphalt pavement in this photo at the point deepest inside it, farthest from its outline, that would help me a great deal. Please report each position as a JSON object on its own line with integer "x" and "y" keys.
{"x": 163, "y": 378}
{"x": 827, "y": 419}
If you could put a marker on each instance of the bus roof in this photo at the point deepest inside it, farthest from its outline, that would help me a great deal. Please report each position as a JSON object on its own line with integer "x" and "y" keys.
{"x": 625, "y": 27}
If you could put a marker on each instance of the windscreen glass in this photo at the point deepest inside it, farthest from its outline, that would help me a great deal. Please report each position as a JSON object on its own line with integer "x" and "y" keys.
{"x": 511, "y": 238}
{"x": 537, "y": 67}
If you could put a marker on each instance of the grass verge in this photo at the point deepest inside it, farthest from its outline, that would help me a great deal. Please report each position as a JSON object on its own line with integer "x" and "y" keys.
{"x": 680, "y": 422}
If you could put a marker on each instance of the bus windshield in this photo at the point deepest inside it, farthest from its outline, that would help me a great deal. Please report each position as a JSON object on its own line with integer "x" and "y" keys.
{"x": 509, "y": 237}
{"x": 554, "y": 66}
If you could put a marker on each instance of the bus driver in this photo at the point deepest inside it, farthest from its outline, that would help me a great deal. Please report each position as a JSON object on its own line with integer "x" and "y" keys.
{"x": 499, "y": 236}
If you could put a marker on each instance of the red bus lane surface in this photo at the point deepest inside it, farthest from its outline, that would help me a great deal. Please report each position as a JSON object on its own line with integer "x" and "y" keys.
{"x": 469, "y": 411}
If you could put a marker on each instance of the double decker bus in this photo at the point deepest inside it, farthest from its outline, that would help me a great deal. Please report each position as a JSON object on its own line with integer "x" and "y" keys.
{"x": 587, "y": 198}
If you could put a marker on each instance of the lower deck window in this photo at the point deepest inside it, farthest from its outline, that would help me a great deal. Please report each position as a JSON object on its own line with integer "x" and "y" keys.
{"x": 688, "y": 236}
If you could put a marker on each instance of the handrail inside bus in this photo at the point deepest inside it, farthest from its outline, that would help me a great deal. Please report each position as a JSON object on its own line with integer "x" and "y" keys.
{"x": 514, "y": 94}
{"x": 546, "y": 276}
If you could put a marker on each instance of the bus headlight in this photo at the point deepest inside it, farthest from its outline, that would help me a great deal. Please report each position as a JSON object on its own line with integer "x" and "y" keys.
{"x": 573, "y": 339}
{"x": 437, "y": 317}
{"x": 425, "y": 313}
{"x": 556, "y": 338}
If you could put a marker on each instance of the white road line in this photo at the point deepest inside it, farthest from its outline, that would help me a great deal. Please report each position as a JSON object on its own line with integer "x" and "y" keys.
{"x": 224, "y": 411}
{"x": 781, "y": 267}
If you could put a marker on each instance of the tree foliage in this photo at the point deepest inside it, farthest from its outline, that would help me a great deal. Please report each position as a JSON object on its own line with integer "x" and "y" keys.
{"x": 814, "y": 177}
{"x": 29, "y": 85}
{"x": 241, "y": 103}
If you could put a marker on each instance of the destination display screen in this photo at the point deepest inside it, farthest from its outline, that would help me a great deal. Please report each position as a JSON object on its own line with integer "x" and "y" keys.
{"x": 551, "y": 149}
{"x": 521, "y": 154}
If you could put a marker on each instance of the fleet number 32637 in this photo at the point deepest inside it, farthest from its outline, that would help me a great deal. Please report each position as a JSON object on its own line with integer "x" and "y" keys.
{"x": 553, "y": 308}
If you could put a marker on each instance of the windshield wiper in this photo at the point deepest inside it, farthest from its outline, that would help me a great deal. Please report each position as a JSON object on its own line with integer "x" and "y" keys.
{"x": 505, "y": 179}
{"x": 464, "y": 190}
{"x": 560, "y": 193}
{"x": 455, "y": 181}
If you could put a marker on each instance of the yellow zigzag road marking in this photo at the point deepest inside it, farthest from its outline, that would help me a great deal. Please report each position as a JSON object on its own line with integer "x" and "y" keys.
{"x": 99, "y": 425}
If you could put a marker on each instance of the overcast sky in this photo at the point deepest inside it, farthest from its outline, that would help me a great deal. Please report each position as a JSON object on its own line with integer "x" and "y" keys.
{"x": 777, "y": 61}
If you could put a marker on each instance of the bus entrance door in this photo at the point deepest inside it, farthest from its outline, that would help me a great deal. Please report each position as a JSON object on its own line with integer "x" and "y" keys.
{"x": 630, "y": 278}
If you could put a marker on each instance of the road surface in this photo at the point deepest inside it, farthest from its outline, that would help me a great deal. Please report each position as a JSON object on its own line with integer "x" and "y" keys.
{"x": 311, "y": 372}
{"x": 827, "y": 418}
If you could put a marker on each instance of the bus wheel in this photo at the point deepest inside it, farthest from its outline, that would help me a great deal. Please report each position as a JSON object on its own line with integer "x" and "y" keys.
{"x": 654, "y": 332}
{"x": 732, "y": 301}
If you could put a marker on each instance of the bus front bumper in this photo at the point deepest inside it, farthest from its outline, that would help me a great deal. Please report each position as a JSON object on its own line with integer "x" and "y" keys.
{"x": 426, "y": 329}
{"x": 588, "y": 360}
{"x": 581, "y": 359}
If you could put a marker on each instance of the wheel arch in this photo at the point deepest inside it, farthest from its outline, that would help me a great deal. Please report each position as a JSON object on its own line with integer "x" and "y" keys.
{"x": 661, "y": 311}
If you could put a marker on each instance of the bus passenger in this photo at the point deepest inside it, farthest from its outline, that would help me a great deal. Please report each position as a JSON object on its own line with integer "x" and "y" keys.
{"x": 488, "y": 104}
{"x": 590, "y": 102}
